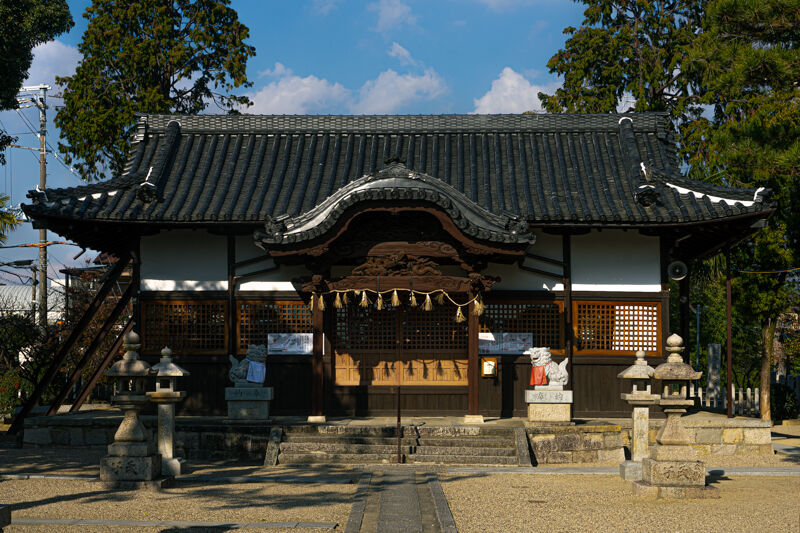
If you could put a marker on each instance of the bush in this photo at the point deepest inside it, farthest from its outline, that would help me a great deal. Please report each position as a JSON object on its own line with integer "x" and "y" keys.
{"x": 783, "y": 402}
{"x": 10, "y": 383}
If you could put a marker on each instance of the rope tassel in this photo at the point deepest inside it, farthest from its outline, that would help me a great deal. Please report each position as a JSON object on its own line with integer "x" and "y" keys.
{"x": 395, "y": 299}
{"x": 311, "y": 301}
{"x": 428, "y": 304}
{"x": 477, "y": 310}
{"x": 440, "y": 298}
{"x": 337, "y": 302}
{"x": 379, "y": 303}
{"x": 321, "y": 303}
{"x": 364, "y": 300}
{"x": 413, "y": 300}
{"x": 459, "y": 315}
{"x": 345, "y": 299}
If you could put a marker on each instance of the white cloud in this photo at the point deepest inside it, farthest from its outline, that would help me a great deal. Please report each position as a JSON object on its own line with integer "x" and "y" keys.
{"x": 511, "y": 93}
{"x": 392, "y": 14}
{"x": 323, "y": 7}
{"x": 401, "y": 54}
{"x": 52, "y": 59}
{"x": 391, "y": 91}
{"x": 292, "y": 94}
{"x": 501, "y": 5}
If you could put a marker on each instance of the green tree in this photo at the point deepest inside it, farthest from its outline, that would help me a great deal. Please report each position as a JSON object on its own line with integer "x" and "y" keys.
{"x": 24, "y": 24}
{"x": 747, "y": 60}
{"x": 736, "y": 61}
{"x": 147, "y": 56}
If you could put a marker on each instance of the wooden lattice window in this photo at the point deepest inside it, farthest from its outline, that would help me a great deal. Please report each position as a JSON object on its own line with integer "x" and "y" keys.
{"x": 257, "y": 319}
{"x": 538, "y": 323}
{"x": 617, "y": 327}
{"x": 185, "y": 326}
{"x": 406, "y": 345}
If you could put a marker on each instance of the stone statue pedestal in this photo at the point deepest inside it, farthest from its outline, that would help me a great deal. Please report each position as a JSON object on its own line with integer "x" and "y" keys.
{"x": 549, "y": 403}
{"x": 248, "y": 402}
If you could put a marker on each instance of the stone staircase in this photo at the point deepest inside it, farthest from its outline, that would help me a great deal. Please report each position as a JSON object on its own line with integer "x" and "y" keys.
{"x": 466, "y": 445}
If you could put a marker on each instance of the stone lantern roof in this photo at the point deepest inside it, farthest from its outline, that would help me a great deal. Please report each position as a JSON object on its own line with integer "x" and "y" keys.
{"x": 675, "y": 369}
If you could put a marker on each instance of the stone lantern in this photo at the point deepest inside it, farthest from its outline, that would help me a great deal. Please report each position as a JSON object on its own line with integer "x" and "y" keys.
{"x": 672, "y": 470}
{"x": 641, "y": 398}
{"x": 131, "y": 459}
{"x": 165, "y": 397}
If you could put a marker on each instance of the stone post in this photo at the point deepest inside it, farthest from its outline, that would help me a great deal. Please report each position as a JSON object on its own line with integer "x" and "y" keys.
{"x": 132, "y": 461}
{"x": 672, "y": 470}
{"x": 641, "y": 399}
{"x": 165, "y": 397}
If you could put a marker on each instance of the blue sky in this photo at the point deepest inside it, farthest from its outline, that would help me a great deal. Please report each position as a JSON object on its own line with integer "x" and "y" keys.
{"x": 339, "y": 56}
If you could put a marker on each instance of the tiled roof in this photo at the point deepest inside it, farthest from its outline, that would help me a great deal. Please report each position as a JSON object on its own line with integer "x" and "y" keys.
{"x": 548, "y": 169}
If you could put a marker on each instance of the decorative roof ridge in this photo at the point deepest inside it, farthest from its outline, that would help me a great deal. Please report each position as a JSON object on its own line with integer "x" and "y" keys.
{"x": 445, "y": 123}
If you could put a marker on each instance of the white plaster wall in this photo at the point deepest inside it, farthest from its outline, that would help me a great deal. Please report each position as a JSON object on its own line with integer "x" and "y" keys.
{"x": 279, "y": 279}
{"x": 514, "y": 278}
{"x": 184, "y": 260}
{"x": 616, "y": 260}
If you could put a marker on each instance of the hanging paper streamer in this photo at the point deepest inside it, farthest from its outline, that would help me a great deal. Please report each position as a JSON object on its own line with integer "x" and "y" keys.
{"x": 428, "y": 305}
{"x": 460, "y": 315}
{"x": 395, "y": 299}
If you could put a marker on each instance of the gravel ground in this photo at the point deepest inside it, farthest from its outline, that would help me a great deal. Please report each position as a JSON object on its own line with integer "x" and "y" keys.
{"x": 241, "y": 502}
{"x": 522, "y": 503}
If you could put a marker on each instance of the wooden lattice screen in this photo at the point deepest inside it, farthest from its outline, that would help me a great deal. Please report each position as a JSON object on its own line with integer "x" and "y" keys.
{"x": 257, "y": 319}
{"x": 427, "y": 347}
{"x": 185, "y": 326}
{"x": 617, "y": 327}
{"x": 544, "y": 321}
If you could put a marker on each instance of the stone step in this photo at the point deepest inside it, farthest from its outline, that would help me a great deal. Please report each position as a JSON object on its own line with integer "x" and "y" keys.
{"x": 455, "y": 450}
{"x": 336, "y": 458}
{"x": 464, "y": 431}
{"x": 464, "y": 442}
{"x": 464, "y": 459}
{"x": 350, "y": 431}
{"x": 409, "y": 441}
{"x": 341, "y": 447}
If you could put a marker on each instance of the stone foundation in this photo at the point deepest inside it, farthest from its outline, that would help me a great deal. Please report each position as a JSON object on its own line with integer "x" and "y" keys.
{"x": 734, "y": 436}
{"x": 575, "y": 444}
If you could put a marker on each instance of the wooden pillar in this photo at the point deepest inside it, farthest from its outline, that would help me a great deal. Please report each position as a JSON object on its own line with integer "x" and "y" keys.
{"x": 317, "y": 370}
{"x": 566, "y": 257}
{"x": 473, "y": 364}
{"x": 728, "y": 328}
{"x": 231, "y": 318}
{"x": 683, "y": 290}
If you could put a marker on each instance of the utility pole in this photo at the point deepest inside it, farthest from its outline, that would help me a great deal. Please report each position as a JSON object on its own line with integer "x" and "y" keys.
{"x": 41, "y": 104}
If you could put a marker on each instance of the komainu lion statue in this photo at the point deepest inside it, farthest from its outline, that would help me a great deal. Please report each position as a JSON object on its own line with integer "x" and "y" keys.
{"x": 545, "y": 371}
{"x": 238, "y": 371}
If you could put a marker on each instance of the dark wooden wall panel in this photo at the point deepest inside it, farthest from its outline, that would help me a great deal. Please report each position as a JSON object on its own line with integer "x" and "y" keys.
{"x": 382, "y": 401}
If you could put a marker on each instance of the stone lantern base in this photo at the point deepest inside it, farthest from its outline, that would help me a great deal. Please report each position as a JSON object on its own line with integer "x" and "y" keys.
{"x": 132, "y": 465}
{"x": 673, "y": 471}
{"x": 549, "y": 403}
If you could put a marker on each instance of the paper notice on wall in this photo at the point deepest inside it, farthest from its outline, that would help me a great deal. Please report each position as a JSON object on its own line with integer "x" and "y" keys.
{"x": 256, "y": 372}
{"x": 504, "y": 343}
{"x": 290, "y": 343}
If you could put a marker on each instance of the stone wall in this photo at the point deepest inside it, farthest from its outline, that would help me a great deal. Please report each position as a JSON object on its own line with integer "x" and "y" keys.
{"x": 576, "y": 444}
{"x": 210, "y": 438}
{"x": 719, "y": 436}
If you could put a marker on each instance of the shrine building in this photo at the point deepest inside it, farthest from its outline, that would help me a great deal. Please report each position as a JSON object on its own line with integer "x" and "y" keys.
{"x": 428, "y": 252}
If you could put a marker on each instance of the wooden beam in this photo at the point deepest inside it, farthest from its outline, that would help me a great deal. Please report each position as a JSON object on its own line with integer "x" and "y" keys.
{"x": 114, "y": 350}
{"x": 75, "y": 334}
{"x": 473, "y": 361}
{"x": 317, "y": 370}
{"x": 566, "y": 255}
{"x": 96, "y": 341}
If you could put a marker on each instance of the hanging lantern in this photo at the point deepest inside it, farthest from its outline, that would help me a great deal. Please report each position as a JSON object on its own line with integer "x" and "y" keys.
{"x": 395, "y": 299}
{"x": 428, "y": 304}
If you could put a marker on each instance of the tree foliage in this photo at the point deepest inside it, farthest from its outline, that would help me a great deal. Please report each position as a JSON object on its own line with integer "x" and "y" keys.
{"x": 147, "y": 56}
{"x": 24, "y": 24}
{"x": 726, "y": 71}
